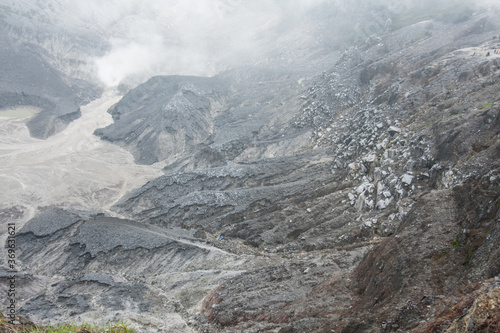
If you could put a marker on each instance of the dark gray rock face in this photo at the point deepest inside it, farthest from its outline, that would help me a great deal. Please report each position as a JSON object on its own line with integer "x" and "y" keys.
{"x": 165, "y": 116}
{"x": 243, "y": 200}
{"x": 28, "y": 80}
{"x": 50, "y": 221}
{"x": 176, "y": 118}
{"x": 89, "y": 256}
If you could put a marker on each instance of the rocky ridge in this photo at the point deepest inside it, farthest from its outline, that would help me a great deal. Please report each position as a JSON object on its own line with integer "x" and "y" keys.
{"x": 213, "y": 119}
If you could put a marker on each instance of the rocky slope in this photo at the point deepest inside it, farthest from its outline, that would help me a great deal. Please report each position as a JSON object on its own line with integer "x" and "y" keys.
{"x": 85, "y": 257}
{"x": 404, "y": 169}
{"x": 362, "y": 199}
{"x": 213, "y": 119}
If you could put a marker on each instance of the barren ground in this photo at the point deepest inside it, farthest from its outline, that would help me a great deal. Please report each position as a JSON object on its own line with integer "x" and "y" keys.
{"x": 74, "y": 168}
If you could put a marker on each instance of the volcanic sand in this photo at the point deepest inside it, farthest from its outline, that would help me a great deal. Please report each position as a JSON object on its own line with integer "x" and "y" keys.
{"x": 72, "y": 169}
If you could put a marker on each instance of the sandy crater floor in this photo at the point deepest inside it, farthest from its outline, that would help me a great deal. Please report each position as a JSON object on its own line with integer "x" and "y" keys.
{"x": 72, "y": 169}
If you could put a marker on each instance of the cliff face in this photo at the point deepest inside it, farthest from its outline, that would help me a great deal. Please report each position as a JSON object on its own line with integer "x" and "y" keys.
{"x": 363, "y": 198}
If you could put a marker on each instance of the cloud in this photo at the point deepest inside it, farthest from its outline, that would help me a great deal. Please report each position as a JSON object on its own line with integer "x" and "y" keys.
{"x": 203, "y": 37}
{"x": 196, "y": 37}
{"x": 124, "y": 60}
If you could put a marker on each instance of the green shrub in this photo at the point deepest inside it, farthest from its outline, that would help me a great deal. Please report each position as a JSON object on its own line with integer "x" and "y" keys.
{"x": 117, "y": 327}
{"x": 486, "y": 105}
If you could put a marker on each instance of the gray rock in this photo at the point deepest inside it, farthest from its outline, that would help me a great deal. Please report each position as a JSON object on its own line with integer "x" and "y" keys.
{"x": 394, "y": 130}
{"x": 50, "y": 221}
{"x": 100, "y": 278}
{"x": 104, "y": 234}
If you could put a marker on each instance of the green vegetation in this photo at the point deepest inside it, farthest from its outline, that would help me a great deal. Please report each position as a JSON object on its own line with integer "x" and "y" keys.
{"x": 469, "y": 257}
{"x": 454, "y": 11}
{"x": 455, "y": 242}
{"x": 486, "y": 105}
{"x": 118, "y": 327}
